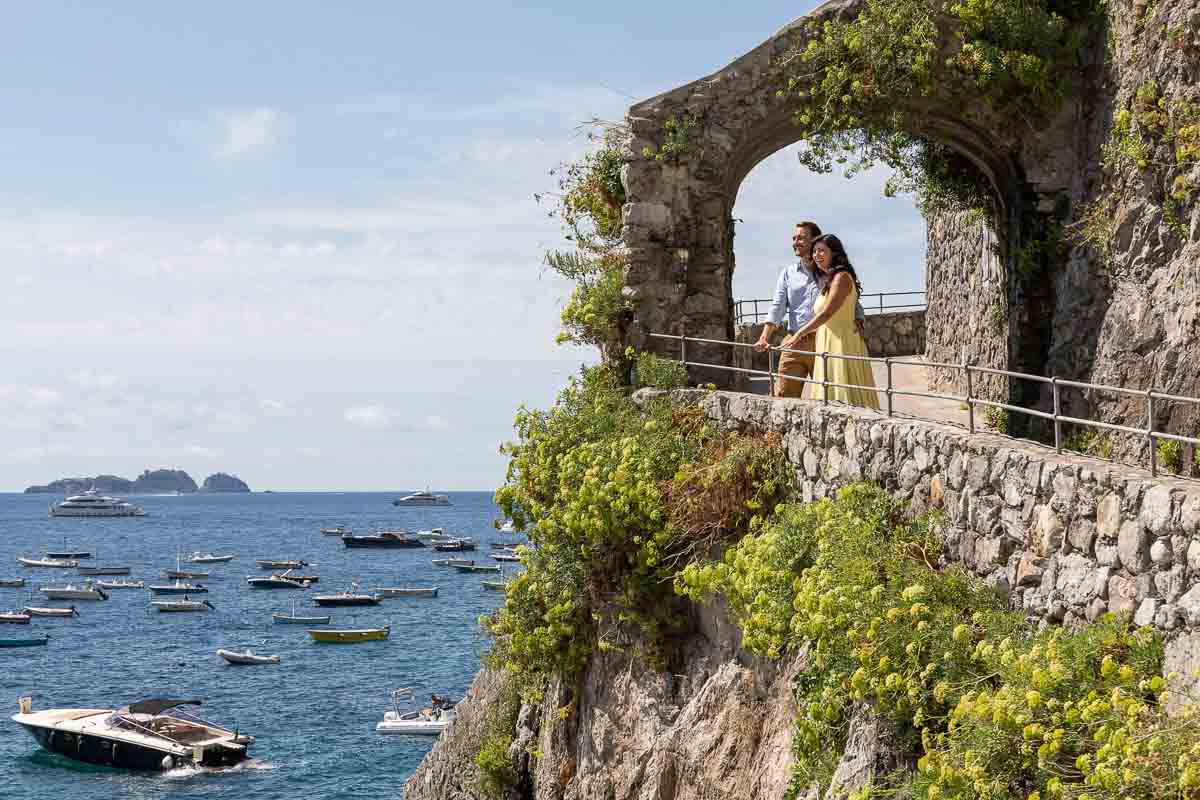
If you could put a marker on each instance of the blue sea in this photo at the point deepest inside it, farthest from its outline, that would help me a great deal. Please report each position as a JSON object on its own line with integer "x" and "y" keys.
{"x": 314, "y": 714}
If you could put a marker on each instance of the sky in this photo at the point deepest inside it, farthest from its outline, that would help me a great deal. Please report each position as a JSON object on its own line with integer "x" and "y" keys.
{"x": 299, "y": 242}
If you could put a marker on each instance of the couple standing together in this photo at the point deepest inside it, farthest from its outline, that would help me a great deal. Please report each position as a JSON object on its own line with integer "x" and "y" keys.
{"x": 819, "y": 295}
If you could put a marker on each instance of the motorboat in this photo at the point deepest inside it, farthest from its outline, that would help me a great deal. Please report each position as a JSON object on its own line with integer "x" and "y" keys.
{"x": 302, "y": 578}
{"x": 422, "y": 498}
{"x": 121, "y": 584}
{"x": 277, "y": 581}
{"x": 508, "y": 527}
{"x": 337, "y": 530}
{"x": 155, "y": 734}
{"x": 185, "y": 604}
{"x": 15, "y": 618}
{"x": 495, "y": 586}
{"x": 11, "y": 583}
{"x": 73, "y": 591}
{"x": 247, "y": 656}
{"x": 179, "y": 587}
{"x": 267, "y": 563}
{"x": 401, "y": 591}
{"x": 385, "y": 539}
{"x": 426, "y": 721}
{"x": 76, "y": 554}
{"x": 509, "y": 557}
{"x": 478, "y": 568}
{"x": 50, "y": 611}
{"x": 50, "y": 563}
{"x": 113, "y": 570}
{"x": 294, "y": 619}
{"x": 209, "y": 558}
{"x": 92, "y": 504}
{"x": 350, "y": 598}
{"x": 185, "y": 574}
{"x": 24, "y": 642}
{"x": 504, "y": 545}
{"x": 452, "y": 562}
{"x": 434, "y": 535}
{"x": 330, "y": 636}
{"x": 455, "y": 546}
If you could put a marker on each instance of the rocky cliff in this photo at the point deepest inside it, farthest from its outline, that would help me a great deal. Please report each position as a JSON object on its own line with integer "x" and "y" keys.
{"x": 223, "y": 483}
{"x": 156, "y": 481}
{"x": 108, "y": 484}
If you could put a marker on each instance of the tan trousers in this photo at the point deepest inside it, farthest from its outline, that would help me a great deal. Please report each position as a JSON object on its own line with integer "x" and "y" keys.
{"x": 797, "y": 366}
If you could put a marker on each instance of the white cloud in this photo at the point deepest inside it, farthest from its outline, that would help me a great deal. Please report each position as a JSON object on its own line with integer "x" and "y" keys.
{"x": 371, "y": 417}
{"x": 29, "y": 398}
{"x": 435, "y": 423}
{"x": 38, "y": 452}
{"x": 272, "y": 405}
{"x": 200, "y": 451}
{"x": 86, "y": 379}
{"x": 246, "y": 132}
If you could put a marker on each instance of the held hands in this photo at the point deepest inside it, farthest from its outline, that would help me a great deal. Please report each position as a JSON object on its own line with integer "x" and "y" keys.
{"x": 761, "y": 345}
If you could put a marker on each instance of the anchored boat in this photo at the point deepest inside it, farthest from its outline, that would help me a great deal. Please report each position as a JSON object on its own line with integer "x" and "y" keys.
{"x": 400, "y": 591}
{"x": 455, "y": 546}
{"x": 349, "y": 636}
{"x": 208, "y": 558}
{"x": 56, "y": 563}
{"x": 267, "y": 563}
{"x": 20, "y": 642}
{"x": 293, "y": 619}
{"x": 12, "y": 583}
{"x": 452, "y": 562}
{"x": 427, "y": 721}
{"x": 247, "y": 656}
{"x": 180, "y": 587}
{"x": 50, "y": 611}
{"x": 121, "y": 584}
{"x": 477, "y": 568}
{"x": 385, "y": 539}
{"x": 182, "y": 605}
{"x": 351, "y": 598}
{"x": 279, "y": 581}
{"x": 15, "y": 618}
{"x": 74, "y": 591}
{"x": 114, "y": 570}
{"x": 155, "y": 734}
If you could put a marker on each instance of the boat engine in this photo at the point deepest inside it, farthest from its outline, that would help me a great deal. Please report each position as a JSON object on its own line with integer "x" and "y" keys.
{"x": 168, "y": 762}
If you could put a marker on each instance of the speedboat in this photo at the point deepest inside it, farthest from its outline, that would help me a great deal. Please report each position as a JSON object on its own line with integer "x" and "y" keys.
{"x": 434, "y": 535}
{"x": 50, "y": 611}
{"x": 389, "y": 539}
{"x": 92, "y": 504}
{"x": 337, "y": 530}
{"x": 182, "y": 605}
{"x": 455, "y": 545}
{"x": 68, "y": 554}
{"x": 179, "y": 587}
{"x": 351, "y": 598}
{"x": 121, "y": 584}
{"x": 114, "y": 570}
{"x": 427, "y": 721}
{"x": 248, "y": 656}
{"x": 11, "y": 583}
{"x": 267, "y": 563}
{"x": 185, "y": 574}
{"x": 74, "y": 591}
{"x": 329, "y": 636}
{"x": 509, "y": 526}
{"x": 502, "y": 556}
{"x": 495, "y": 586}
{"x": 155, "y": 734}
{"x": 24, "y": 642}
{"x": 56, "y": 563}
{"x": 15, "y": 618}
{"x": 401, "y": 591}
{"x": 478, "y": 568}
{"x": 452, "y": 562}
{"x": 278, "y": 581}
{"x": 209, "y": 558}
{"x": 422, "y": 498}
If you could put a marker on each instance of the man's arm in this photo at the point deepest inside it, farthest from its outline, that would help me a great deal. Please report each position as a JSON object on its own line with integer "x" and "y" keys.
{"x": 775, "y": 314}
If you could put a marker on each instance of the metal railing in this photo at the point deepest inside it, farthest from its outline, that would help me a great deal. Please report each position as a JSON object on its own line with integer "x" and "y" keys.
{"x": 969, "y": 400}
{"x": 749, "y": 312}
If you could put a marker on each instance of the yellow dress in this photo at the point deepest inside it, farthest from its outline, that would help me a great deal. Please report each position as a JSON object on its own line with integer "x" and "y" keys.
{"x": 839, "y": 336}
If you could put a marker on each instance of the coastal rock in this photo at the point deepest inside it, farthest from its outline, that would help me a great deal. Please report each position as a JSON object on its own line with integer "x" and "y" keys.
{"x": 221, "y": 482}
{"x": 163, "y": 481}
{"x": 105, "y": 484}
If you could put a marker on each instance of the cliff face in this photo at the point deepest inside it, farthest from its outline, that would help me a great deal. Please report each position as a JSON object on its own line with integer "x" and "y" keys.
{"x": 722, "y": 729}
{"x": 220, "y": 482}
{"x": 107, "y": 484}
{"x": 163, "y": 480}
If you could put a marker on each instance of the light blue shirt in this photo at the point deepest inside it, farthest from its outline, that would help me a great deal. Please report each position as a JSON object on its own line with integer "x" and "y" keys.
{"x": 796, "y": 295}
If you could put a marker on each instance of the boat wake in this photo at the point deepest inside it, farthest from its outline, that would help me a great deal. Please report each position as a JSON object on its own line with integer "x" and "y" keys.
{"x": 191, "y": 770}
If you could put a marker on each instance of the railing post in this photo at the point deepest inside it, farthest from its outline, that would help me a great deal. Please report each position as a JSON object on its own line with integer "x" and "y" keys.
{"x": 1057, "y": 425}
{"x": 888, "y": 363}
{"x": 881, "y": 302}
{"x": 683, "y": 349}
{"x": 825, "y": 377}
{"x": 970, "y": 400}
{"x": 770, "y": 371}
{"x": 1150, "y": 431}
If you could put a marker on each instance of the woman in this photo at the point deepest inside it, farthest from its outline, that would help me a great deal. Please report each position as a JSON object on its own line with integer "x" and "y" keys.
{"x": 834, "y": 326}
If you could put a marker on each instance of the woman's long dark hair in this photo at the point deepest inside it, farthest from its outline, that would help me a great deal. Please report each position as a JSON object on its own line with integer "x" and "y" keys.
{"x": 841, "y": 261}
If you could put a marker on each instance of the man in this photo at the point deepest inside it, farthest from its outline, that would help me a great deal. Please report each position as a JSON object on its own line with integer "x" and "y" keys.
{"x": 796, "y": 295}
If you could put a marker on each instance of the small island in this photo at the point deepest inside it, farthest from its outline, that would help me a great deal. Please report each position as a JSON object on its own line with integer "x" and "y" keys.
{"x": 151, "y": 481}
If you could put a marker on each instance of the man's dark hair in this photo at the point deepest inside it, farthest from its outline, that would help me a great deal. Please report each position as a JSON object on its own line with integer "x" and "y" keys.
{"x": 814, "y": 230}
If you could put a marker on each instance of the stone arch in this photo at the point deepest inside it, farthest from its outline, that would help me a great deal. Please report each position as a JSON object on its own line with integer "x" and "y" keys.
{"x": 678, "y": 227}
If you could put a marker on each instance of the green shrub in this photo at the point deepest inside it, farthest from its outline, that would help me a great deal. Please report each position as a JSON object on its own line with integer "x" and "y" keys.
{"x": 996, "y": 419}
{"x": 1089, "y": 442}
{"x": 661, "y": 373}
{"x": 992, "y": 706}
{"x": 496, "y": 773}
{"x": 1170, "y": 455}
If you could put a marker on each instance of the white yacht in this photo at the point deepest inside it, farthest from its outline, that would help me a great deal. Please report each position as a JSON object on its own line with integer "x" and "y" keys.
{"x": 92, "y": 504}
{"x": 422, "y": 498}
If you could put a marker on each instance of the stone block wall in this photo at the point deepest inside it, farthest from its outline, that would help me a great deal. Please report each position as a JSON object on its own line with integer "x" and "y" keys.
{"x": 1066, "y": 538}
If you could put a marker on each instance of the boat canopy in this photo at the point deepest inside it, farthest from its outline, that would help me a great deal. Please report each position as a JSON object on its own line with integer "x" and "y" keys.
{"x": 156, "y": 706}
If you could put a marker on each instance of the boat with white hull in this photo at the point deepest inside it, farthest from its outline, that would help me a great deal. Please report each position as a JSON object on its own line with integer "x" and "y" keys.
{"x": 48, "y": 563}
{"x": 247, "y": 656}
{"x": 74, "y": 591}
{"x": 180, "y": 587}
{"x": 423, "y": 498}
{"x": 184, "y": 605}
{"x": 113, "y": 570}
{"x": 92, "y": 504}
{"x": 50, "y": 611}
{"x": 121, "y": 584}
{"x": 210, "y": 558}
{"x": 155, "y": 734}
{"x": 427, "y": 721}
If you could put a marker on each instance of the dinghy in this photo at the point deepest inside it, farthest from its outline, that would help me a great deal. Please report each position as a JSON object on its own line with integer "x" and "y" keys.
{"x": 121, "y": 584}
{"x": 17, "y": 642}
{"x": 15, "y": 618}
{"x": 246, "y": 657}
{"x": 267, "y": 563}
{"x": 50, "y": 611}
{"x": 208, "y": 558}
{"x": 427, "y": 721}
{"x": 401, "y": 591}
{"x": 453, "y": 562}
{"x": 113, "y": 570}
{"x": 293, "y": 619}
{"x": 182, "y": 605}
{"x": 74, "y": 591}
{"x": 12, "y": 583}
{"x": 55, "y": 563}
{"x": 349, "y": 636}
{"x": 477, "y": 568}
